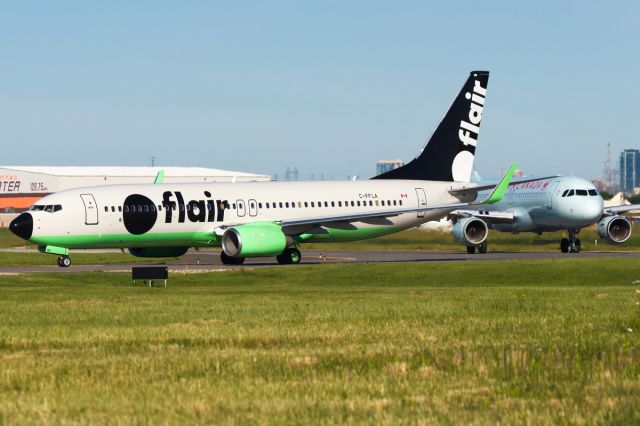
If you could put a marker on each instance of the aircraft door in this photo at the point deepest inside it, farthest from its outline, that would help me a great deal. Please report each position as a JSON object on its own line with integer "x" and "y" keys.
{"x": 90, "y": 209}
{"x": 241, "y": 208}
{"x": 551, "y": 192}
{"x": 422, "y": 200}
{"x": 253, "y": 208}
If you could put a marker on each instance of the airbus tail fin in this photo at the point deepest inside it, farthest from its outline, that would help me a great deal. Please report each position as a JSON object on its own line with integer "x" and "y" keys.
{"x": 449, "y": 154}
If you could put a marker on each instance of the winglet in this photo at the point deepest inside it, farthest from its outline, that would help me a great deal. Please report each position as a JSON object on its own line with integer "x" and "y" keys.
{"x": 500, "y": 189}
{"x": 159, "y": 177}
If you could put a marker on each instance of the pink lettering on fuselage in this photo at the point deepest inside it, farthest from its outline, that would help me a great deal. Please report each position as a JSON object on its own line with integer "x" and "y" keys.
{"x": 536, "y": 184}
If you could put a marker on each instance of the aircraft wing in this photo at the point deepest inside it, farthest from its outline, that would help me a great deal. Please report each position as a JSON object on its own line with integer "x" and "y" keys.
{"x": 340, "y": 220}
{"x": 621, "y": 209}
{"x": 487, "y": 216}
{"x": 459, "y": 191}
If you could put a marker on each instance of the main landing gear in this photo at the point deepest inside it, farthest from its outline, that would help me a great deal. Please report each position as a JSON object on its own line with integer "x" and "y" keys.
{"x": 228, "y": 260}
{"x": 64, "y": 261}
{"x": 482, "y": 248}
{"x": 289, "y": 256}
{"x": 571, "y": 244}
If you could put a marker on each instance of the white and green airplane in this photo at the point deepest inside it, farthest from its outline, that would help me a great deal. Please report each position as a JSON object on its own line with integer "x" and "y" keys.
{"x": 262, "y": 219}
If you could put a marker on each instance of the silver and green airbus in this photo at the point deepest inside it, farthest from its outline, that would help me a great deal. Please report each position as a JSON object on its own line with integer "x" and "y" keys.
{"x": 263, "y": 219}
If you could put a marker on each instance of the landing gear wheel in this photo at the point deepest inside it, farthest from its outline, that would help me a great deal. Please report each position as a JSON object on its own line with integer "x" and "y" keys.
{"x": 564, "y": 245}
{"x": 471, "y": 249}
{"x": 228, "y": 260}
{"x": 288, "y": 256}
{"x": 482, "y": 248}
{"x": 578, "y": 246}
{"x": 64, "y": 261}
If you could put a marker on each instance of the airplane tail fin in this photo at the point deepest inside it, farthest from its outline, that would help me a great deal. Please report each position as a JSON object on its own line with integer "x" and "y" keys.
{"x": 449, "y": 154}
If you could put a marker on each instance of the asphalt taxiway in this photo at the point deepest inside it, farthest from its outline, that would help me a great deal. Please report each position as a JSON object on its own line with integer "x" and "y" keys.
{"x": 204, "y": 261}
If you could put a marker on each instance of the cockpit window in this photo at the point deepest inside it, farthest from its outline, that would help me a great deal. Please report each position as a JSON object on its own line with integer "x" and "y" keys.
{"x": 566, "y": 191}
{"x": 582, "y": 192}
{"x": 593, "y": 192}
{"x": 570, "y": 194}
{"x": 49, "y": 208}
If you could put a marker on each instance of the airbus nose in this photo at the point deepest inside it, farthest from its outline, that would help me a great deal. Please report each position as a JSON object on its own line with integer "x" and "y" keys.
{"x": 22, "y": 226}
{"x": 591, "y": 210}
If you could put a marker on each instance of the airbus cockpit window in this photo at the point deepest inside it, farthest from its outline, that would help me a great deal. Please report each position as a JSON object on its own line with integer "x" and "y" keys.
{"x": 582, "y": 192}
{"x": 593, "y": 192}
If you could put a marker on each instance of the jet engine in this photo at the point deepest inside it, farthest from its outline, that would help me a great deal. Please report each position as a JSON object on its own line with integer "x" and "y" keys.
{"x": 158, "y": 251}
{"x": 254, "y": 240}
{"x": 614, "y": 229}
{"x": 470, "y": 231}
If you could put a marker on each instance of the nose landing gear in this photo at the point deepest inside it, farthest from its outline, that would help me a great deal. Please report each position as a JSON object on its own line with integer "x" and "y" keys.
{"x": 571, "y": 244}
{"x": 482, "y": 248}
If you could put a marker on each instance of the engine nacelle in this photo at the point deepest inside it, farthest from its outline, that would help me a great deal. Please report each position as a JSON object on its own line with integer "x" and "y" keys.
{"x": 254, "y": 240}
{"x": 470, "y": 231}
{"x": 614, "y": 229}
{"x": 158, "y": 251}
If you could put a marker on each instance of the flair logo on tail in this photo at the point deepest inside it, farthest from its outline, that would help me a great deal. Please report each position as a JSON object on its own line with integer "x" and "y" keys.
{"x": 472, "y": 127}
{"x": 450, "y": 152}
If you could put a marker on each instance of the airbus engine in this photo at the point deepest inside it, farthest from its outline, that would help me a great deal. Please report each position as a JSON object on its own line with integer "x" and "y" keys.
{"x": 158, "y": 251}
{"x": 614, "y": 229}
{"x": 254, "y": 240}
{"x": 470, "y": 231}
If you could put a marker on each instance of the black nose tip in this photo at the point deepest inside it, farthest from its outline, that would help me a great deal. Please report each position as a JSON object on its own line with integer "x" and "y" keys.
{"x": 22, "y": 226}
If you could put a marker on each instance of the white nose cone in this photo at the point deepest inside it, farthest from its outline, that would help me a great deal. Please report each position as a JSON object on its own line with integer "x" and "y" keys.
{"x": 462, "y": 166}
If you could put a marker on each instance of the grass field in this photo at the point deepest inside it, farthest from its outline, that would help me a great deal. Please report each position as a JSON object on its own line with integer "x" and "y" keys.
{"x": 469, "y": 342}
{"x": 412, "y": 239}
{"x": 416, "y": 239}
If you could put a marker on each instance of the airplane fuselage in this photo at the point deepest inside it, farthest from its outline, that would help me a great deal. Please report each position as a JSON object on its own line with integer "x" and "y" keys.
{"x": 125, "y": 216}
{"x": 553, "y": 204}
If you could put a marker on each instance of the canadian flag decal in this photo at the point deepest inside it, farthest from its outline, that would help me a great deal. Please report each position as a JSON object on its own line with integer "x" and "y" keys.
{"x": 403, "y": 196}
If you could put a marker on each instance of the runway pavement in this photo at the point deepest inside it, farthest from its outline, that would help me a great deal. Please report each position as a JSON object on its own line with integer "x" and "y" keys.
{"x": 207, "y": 261}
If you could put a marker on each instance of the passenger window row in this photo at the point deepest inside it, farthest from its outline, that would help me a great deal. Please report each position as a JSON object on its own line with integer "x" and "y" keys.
{"x": 268, "y": 205}
{"x": 320, "y": 204}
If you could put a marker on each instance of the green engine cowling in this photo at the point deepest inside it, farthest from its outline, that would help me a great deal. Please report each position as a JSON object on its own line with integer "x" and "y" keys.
{"x": 158, "y": 251}
{"x": 258, "y": 239}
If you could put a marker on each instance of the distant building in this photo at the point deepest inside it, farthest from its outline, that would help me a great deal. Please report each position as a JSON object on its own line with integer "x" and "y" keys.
{"x": 384, "y": 166}
{"x": 600, "y": 184}
{"x": 629, "y": 169}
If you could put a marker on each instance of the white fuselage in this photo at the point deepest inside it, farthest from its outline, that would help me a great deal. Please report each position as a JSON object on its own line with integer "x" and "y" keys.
{"x": 189, "y": 214}
{"x": 553, "y": 204}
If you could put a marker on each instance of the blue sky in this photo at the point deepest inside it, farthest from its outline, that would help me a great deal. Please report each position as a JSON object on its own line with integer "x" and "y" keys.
{"x": 328, "y": 87}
